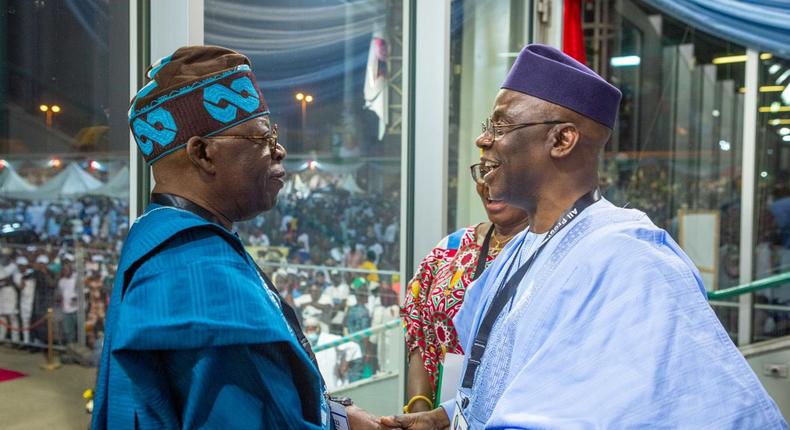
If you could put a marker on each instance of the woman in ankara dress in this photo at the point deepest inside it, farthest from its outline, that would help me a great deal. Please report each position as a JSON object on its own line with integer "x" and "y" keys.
{"x": 436, "y": 292}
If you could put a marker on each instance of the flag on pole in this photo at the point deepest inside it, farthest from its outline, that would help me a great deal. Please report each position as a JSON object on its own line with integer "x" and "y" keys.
{"x": 572, "y": 32}
{"x": 376, "y": 92}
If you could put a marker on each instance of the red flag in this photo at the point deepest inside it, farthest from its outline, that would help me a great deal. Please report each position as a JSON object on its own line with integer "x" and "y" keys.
{"x": 572, "y": 33}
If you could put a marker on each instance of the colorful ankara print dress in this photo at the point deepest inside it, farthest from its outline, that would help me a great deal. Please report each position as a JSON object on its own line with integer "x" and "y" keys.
{"x": 436, "y": 293}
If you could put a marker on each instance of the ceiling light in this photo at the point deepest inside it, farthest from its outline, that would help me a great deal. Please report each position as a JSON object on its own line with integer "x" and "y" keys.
{"x": 775, "y": 107}
{"x": 625, "y": 61}
{"x": 783, "y": 76}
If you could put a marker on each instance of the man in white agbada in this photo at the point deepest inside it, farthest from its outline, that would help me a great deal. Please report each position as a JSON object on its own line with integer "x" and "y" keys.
{"x": 9, "y": 320}
{"x": 609, "y": 328}
{"x": 27, "y": 292}
{"x": 332, "y": 362}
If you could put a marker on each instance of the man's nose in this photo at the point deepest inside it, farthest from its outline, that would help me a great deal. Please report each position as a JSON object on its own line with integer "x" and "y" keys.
{"x": 484, "y": 141}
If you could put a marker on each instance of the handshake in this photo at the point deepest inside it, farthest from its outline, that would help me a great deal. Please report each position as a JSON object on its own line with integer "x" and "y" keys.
{"x": 435, "y": 419}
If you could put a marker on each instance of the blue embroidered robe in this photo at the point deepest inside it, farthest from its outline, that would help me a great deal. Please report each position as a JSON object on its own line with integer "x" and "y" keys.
{"x": 195, "y": 340}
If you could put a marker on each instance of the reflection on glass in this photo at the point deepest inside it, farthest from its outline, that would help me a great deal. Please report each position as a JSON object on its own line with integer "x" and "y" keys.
{"x": 485, "y": 37}
{"x": 772, "y": 253}
{"x": 331, "y": 74}
{"x": 677, "y": 148}
{"x": 64, "y": 179}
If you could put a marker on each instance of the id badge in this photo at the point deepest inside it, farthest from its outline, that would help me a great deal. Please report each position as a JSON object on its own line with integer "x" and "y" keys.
{"x": 339, "y": 415}
{"x": 459, "y": 420}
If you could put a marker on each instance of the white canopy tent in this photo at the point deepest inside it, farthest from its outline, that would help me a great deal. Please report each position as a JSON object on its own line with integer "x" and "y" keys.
{"x": 13, "y": 186}
{"x": 300, "y": 188}
{"x": 348, "y": 183}
{"x": 116, "y": 187}
{"x": 71, "y": 182}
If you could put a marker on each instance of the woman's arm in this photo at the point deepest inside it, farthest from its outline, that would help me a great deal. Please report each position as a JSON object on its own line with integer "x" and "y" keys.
{"x": 418, "y": 383}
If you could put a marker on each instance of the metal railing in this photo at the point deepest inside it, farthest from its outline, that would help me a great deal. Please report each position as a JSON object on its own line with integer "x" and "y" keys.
{"x": 769, "y": 282}
{"x": 358, "y": 335}
{"x": 286, "y": 265}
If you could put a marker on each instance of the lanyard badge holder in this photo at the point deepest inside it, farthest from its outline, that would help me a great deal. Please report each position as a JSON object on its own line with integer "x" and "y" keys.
{"x": 505, "y": 294}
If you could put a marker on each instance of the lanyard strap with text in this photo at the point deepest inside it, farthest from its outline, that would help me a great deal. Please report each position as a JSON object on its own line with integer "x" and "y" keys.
{"x": 505, "y": 293}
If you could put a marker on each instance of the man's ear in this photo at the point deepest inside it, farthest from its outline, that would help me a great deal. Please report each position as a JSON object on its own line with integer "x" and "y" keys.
{"x": 200, "y": 151}
{"x": 564, "y": 138}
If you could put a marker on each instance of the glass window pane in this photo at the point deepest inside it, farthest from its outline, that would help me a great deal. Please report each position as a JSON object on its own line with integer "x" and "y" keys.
{"x": 676, "y": 150}
{"x": 485, "y": 37}
{"x": 772, "y": 253}
{"x": 65, "y": 151}
{"x": 331, "y": 72}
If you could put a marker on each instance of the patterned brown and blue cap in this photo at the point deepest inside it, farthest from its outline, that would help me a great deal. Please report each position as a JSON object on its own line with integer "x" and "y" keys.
{"x": 196, "y": 91}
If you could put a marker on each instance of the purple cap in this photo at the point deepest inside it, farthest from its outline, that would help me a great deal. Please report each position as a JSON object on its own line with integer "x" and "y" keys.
{"x": 546, "y": 73}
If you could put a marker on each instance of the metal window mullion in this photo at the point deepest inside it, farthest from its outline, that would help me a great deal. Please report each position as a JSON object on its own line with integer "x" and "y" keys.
{"x": 431, "y": 123}
{"x": 407, "y": 187}
{"x": 748, "y": 179}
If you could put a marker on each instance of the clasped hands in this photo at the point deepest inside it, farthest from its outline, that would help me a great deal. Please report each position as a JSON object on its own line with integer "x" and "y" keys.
{"x": 435, "y": 419}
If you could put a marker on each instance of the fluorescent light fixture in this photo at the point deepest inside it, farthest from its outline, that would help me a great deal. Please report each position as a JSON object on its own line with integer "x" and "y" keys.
{"x": 784, "y": 131}
{"x": 763, "y": 174}
{"x": 774, "y": 68}
{"x": 716, "y": 113}
{"x": 786, "y": 138}
{"x": 625, "y": 61}
{"x": 724, "y": 145}
{"x": 779, "y": 121}
{"x": 739, "y": 58}
{"x": 783, "y": 76}
{"x": 775, "y": 107}
{"x": 508, "y": 54}
{"x": 730, "y": 59}
{"x": 765, "y": 89}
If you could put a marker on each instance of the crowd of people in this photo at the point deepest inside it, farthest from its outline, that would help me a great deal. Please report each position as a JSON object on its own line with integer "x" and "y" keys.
{"x": 332, "y": 229}
{"x": 34, "y": 279}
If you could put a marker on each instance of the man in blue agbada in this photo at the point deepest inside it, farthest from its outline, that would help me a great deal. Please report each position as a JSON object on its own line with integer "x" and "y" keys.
{"x": 197, "y": 336}
{"x": 593, "y": 318}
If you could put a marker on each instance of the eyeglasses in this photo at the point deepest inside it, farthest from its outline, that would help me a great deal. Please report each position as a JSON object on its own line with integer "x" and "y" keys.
{"x": 479, "y": 171}
{"x": 500, "y": 130}
{"x": 271, "y": 140}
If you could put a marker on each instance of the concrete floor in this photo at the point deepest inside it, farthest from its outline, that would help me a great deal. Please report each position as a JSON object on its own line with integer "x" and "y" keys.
{"x": 43, "y": 399}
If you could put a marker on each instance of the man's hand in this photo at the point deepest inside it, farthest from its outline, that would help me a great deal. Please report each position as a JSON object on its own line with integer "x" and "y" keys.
{"x": 358, "y": 419}
{"x": 431, "y": 420}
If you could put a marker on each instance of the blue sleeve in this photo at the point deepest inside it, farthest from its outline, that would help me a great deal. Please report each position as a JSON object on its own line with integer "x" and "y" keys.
{"x": 197, "y": 292}
{"x": 449, "y": 408}
{"x": 203, "y": 343}
{"x": 235, "y": 387}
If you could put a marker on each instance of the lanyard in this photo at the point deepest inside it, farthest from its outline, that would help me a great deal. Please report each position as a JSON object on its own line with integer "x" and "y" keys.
{"x": 506, "y": 292}
{"x": 481, "y": 260}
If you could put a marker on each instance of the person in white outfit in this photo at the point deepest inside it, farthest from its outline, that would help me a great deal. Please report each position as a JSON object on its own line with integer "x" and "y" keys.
{"x": 332, "y": 362}
{"x": 26, "y": 283}
{"x": 8, "y": 298}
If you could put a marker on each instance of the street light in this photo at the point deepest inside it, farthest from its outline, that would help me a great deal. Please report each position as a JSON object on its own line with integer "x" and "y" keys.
{"x": 49, "y": 111}
{"x": 304, "y": 99}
